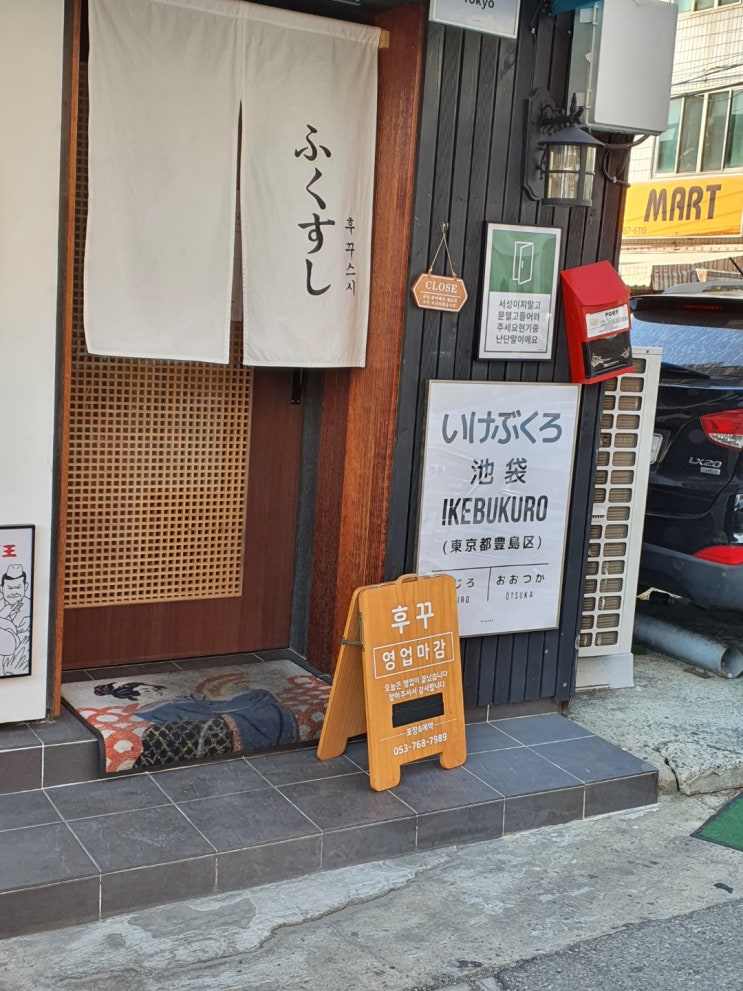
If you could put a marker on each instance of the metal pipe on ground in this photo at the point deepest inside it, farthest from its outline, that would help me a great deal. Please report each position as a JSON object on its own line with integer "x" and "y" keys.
{"x": 699, "y": 649}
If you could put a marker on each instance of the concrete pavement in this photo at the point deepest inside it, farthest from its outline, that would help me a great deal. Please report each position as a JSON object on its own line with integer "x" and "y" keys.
{"x": 699, "y": 952}
{"x": 683, "y": 720}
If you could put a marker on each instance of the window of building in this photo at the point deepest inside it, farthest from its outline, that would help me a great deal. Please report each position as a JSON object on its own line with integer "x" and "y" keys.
{"x": 704, "y": 133}
{"x": 688, "y": 6}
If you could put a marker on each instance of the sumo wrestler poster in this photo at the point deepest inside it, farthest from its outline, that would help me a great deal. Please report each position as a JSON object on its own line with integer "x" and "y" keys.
{"x": 16, "y": 584}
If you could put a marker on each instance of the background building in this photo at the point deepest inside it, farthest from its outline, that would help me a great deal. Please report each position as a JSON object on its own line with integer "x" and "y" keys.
{"x": 684, "y": 206}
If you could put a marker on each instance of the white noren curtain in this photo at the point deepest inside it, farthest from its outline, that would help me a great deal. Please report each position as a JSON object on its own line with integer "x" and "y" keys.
{"x": 167, "y": 81}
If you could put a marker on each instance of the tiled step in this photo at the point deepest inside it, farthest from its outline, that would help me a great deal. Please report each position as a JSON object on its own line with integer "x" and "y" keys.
{"x": 73, "y": 853}
{"x": 45, "y": 754}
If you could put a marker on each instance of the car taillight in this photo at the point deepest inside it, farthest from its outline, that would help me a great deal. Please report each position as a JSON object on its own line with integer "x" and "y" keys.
{"x": 725, "y": 428}
{"x": 722, "y": 554}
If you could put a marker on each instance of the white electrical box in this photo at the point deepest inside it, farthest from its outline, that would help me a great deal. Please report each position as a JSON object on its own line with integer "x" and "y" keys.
{"x": 621, "y": 64}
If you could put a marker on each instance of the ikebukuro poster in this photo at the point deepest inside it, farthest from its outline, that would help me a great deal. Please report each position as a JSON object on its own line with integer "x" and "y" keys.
{"x": 495, "y": 494}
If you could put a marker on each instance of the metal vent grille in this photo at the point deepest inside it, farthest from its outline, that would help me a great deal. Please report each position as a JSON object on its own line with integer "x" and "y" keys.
{"x": 158, "y": 465}
{"x": 626, "y": 427}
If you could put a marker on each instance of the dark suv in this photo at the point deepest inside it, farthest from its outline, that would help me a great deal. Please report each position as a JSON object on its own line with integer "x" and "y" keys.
{"x": 693, "y": 537}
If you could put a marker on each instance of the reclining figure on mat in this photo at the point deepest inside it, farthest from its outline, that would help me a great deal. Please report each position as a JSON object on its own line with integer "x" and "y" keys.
{"x": 195, "y": 727}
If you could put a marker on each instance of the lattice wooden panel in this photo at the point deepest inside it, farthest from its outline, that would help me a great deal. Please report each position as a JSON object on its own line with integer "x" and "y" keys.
{"x": 158, "y": 464}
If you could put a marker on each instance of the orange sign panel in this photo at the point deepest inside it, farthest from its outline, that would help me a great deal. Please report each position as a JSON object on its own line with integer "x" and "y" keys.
{"x": 399, "y": 678}
{"x": 439, "y": 292}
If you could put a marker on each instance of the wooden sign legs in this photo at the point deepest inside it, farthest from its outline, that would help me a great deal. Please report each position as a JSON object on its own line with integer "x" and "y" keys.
{"x": 346, "y": 713}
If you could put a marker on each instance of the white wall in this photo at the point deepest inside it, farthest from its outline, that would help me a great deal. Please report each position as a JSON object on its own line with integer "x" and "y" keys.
{"x": 31, "y": 37}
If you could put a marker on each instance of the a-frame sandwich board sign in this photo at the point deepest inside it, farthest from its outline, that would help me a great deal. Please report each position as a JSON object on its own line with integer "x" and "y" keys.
{"x": 399, "y": 678}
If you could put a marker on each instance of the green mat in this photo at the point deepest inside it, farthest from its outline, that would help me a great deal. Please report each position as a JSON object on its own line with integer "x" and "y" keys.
{"x": 726, "y": 826}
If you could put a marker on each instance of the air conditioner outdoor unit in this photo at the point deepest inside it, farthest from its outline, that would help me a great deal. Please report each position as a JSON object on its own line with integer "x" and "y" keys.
{"x": 617, "y": 516}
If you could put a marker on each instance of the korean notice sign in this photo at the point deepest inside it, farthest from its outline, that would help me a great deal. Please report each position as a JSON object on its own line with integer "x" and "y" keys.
{"x": 519, "y": 289}
{"x": 399, "y": 678}
{"x": 495, "y": 496}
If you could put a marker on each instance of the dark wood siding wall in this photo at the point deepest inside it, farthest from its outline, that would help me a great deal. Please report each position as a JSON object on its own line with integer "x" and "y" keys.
{"x": 469, "y": 174}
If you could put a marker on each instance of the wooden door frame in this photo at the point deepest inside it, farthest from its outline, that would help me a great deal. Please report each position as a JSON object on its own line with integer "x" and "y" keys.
{"x": 68, "y": 182}
{"x": 358, "y": 419}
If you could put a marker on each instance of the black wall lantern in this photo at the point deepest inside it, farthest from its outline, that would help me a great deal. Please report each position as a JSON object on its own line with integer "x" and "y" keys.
{"x": 559, "y": 162}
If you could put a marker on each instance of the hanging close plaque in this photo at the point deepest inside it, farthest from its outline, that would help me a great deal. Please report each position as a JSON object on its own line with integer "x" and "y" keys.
{"x": 440, "y": 292}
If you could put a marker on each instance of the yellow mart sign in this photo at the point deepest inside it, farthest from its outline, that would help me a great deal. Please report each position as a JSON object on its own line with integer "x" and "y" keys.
{"x": 705, "y": 206}
{"x": 399, "y": 678}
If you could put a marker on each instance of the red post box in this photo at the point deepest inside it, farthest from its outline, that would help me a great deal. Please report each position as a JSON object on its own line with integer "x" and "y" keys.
{"x": 597, "y": 317}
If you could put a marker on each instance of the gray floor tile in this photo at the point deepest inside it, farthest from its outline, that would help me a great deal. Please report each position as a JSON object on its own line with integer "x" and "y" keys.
{"x": 222, "y": 661}
{"x": 428, "y": 787}
{"x": 66, "y": 763}
{"x": 206, "y": 780}
{"x": 126, "y": 891}
{"x": 300, "y": 765}
{"x": 232, "y": 822}
{"x": 280, "y": 654}
{"x": 358, "y": 845}
{"x": 621, "y": 793}
{"x": 132, "y": 670}
{"x": 41, "y": 855}
{"x": 67, "y": 729}
{"x": 486, "y": 736}
{"x": 462, "y": 825}
{"x": 26, "y": 808}
{"x": 346, "y": 801}
{"x": 546, "y": 728}
{"x": 593, "y": 759}
{"x": 17, "y": 737}
{"x": 68, "y": 903}
{"x": 548, "y": 808}
{"x": 79, "y": 675}
{"x": 270, "y": 863}
{"x": 518, "y": 772}
{"x": 125, "y": 793}
{"x": 476, "y": 714}
{"x": 358, "y": 752}
{"x": 20, "y": 770}
{"x": 137, "y": 839}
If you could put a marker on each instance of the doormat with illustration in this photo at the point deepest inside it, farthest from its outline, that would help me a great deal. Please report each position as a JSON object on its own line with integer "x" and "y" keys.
{"x": 725, "y": 826}
{"x": 178, "y": 717}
